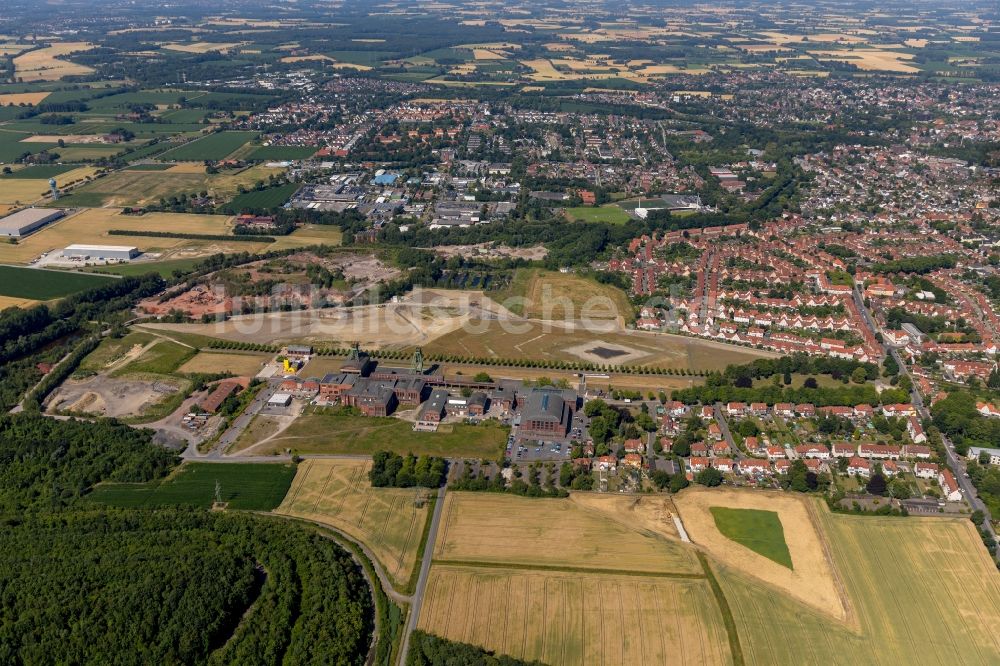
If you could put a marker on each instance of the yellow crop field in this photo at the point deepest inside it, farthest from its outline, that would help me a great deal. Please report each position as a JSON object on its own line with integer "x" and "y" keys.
{"x": 46, "y": 65}
{"x": 876, "y": 60}
{"x": 91, "y": 226}
{"x": 388, "y": 520}
{"x": 16, "y": 99}
{"x": 12, "y": 302}
{"x": 921, "y": 591}
{"x": 242, "y": 365}
{"x": 563, "y": 618}
{"x": 23, "y": 190}
{"x": 505, "y": 529}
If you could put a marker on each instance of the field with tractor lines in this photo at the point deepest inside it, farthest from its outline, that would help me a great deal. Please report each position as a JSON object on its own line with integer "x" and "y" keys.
{"x": 920, "y": 591}
{"x": 563, "y": 618}
{"x": 390, "y": 521}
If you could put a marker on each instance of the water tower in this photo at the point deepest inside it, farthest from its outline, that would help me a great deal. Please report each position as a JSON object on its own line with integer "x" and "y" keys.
{"x": 55, "y": 190}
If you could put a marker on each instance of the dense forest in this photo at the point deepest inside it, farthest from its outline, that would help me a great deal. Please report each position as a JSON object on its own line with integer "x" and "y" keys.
{"x": 78, "y": 585}
{"x": 172, "y": 587}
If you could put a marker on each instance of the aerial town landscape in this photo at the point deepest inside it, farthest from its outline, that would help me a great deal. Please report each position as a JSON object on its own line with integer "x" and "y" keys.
{"x": 468, "y": 332}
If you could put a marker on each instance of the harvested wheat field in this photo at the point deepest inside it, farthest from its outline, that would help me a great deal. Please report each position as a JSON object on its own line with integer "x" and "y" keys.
{"x": 812, "y": 579}
{"x": 387, "y": 520}
{"x": 922, "y": 591}
{"x": 505, "y": 529}
{"x": 563, "y": 618}
{"x": 15, "y": 99}
{"x": 14, "y": 302}
{"x": 45, "y": 64}
{"x": 873, "y": 60}
{"x": 92, "y": 225}
{"x": 649, "y": 514}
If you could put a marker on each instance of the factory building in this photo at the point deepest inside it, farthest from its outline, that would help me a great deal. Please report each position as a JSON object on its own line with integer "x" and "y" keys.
{"x": 22, "y": 223}
{"x": 101, "y": 252}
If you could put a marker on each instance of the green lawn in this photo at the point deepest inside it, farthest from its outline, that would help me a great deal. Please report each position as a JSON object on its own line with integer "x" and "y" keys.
{"x": 42, "y": 285}
{"x": 164, "y": 268}
{"x": 327, "y": 431}
{"x": 246, "y": 486}
{"x": 760, "y": 531}
{"x": 161, "y": 359}
{"x": 609, "y": 214}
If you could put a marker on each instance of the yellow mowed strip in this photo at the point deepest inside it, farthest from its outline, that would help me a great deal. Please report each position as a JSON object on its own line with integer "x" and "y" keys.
{"x": 567, "y": 619}
{"x": 387, "y": 520}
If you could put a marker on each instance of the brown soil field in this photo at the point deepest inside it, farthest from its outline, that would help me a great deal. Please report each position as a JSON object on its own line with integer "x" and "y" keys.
{"x": 570, "y": 619}
{"x": 387, "y": 520}
{"x": 505, "y": 529}
{"x": 106, "y": 396}
{"x": 812, "y": 581}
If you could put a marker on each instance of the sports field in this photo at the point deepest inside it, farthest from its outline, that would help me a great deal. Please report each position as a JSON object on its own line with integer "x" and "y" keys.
{"x": 586, "y": 580}
{"x": 390, "y": 521}
{"x": 921, "y": 591}
{"x": 215, "y": 146}
{"x": 245, "y": 486}
{"x": 42, "y": 285}
{"x": 330, "y": 432}
{"x": 610, "y": 214}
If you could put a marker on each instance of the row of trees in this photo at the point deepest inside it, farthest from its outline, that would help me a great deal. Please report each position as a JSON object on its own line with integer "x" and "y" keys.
{"x": 391, "y": 470}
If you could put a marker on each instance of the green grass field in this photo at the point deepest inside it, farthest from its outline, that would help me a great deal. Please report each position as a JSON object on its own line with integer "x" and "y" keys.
{"x": 609, "y": 214}
{"x": 322, "y": 431}
{"x": 212, "y": 147}
{"x": 164, "y": 268}
{"x": 272, "y": 197}
{"x": 149, "y": 167}
{"x": 760, "y": 531}
{"x": 42, "y": 171}
{"x": 162, "y": 359}
{"x": 42, "y": 285}
{"x": 245, "y": 486}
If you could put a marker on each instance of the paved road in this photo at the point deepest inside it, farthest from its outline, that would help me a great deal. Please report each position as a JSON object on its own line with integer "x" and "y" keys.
{"x": 237, "y": 427}
{"x": 737, "y": 454}
{"x": 425, "y": 565}
{"x": 955, "y": 462}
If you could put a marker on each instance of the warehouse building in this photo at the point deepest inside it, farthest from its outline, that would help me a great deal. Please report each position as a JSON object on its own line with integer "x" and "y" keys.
{"x": 22, "y": 223}
{"x": 101, "y": 252}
